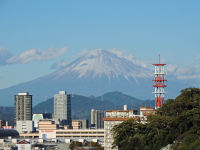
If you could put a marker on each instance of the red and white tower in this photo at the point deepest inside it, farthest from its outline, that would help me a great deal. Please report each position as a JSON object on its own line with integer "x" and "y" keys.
{"x": 159, "y": 84}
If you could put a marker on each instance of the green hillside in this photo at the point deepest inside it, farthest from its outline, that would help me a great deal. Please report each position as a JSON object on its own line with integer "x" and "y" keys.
{"x": 177, "y": 123}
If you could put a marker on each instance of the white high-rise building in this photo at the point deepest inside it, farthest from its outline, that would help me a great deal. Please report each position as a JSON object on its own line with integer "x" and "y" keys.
{"x": 62, "y": 108}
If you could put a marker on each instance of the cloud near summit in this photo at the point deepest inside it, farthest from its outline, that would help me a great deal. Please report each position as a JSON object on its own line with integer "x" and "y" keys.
{"x": 36, "y": 55}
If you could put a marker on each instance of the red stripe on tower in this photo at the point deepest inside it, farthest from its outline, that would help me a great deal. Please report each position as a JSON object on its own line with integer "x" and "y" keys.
{"x": 159, "y": 84}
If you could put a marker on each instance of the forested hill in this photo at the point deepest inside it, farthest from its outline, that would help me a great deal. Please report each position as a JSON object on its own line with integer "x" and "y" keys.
{"x": 177, "y": 123}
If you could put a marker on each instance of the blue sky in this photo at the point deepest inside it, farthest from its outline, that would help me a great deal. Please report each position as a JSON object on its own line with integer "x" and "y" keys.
{"x": 34, "y": 35}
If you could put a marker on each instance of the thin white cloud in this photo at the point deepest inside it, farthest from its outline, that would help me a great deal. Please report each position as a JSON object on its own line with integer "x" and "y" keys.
{"x": 185, "y": 72}
{"x": 130, "y": 57}
{"x": 4, "y": 55}
{"x": 80, "y": 54}
{"x": 36, "y": 55}
{"x": 59, "y": 65}
{"x": 63, "y": 63}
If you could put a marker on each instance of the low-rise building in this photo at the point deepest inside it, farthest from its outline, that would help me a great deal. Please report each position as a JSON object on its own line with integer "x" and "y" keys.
{"x": 84, "y": 124}
{"x": 80, "y": 124}
{"x": 80, "y": 133}
{"x": 76, "y": 124}
{"x": 71, "y": 135}
{"x": 23, "y": 145}
{"x": 115, "y": 117}
{"x": 47, "y": 129}
{"x": 144, "y": 112}
{"x": 36, "y": 118}
{"x": 24, "y": 126}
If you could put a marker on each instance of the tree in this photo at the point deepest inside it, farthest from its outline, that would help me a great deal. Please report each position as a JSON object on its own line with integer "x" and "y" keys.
{"x": 177, "y": 122}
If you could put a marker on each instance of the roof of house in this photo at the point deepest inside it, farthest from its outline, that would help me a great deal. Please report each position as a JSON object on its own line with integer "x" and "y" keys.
{"x": 23, "y": 142}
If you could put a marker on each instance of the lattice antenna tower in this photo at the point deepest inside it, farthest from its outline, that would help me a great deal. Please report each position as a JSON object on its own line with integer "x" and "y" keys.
{"x": 159, "y": 84}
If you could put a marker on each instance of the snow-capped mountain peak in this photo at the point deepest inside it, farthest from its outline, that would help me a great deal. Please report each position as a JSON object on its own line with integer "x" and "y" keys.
{"x": 97, "y": 63}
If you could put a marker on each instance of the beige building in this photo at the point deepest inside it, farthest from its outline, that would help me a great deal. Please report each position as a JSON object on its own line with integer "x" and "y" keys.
{"x": 24, "y": 126}
{"x": 114, "y": 117}
{"x": 76, "y": 124}
{"x": 144, "y": 112}
{"x": 68, "y": 134}
{"x": 80, "y": 133}
{"x": 47, "y": 129}
{"x": 80, "y": 124}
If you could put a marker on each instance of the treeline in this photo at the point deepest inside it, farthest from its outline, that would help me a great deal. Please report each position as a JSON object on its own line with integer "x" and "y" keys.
{"x": 176, "y": 123}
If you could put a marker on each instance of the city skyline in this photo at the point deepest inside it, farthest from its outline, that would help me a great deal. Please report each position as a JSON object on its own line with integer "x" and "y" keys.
{"x": 39, "y": 36}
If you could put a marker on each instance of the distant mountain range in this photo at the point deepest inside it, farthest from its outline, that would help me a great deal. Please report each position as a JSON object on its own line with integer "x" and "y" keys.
{"x": 81, "y": 105}
{"x": 95, "y": 72}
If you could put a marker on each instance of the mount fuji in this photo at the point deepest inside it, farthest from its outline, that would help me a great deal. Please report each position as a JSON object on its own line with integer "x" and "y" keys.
{"x": 94, "y": 73}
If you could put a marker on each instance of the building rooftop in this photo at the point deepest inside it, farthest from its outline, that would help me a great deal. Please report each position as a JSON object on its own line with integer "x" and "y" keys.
{"x": 62, "y": 92}
{"x": 24, "y": 93}
{"x": 120, "y": 110}
{"x": 23, "y": 142}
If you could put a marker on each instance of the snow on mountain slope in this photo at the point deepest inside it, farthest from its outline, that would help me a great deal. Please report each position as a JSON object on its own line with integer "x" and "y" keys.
{"x": 98, "y": 62}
